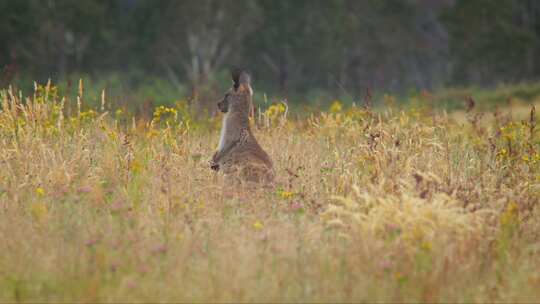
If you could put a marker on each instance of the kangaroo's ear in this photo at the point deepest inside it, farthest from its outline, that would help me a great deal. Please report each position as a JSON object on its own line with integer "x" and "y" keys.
{"x": 240, "y": 77}
{"x": 244, "y": 78}
{"x": 235, "y": 74}
{"x": 245, "y": 81}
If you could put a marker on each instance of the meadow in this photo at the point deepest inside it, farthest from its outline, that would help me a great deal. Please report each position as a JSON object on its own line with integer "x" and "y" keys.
{"x": 404, "y": 201}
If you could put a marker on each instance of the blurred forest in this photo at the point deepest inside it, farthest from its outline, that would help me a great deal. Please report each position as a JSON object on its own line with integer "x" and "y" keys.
{"x": 184, "y": 48}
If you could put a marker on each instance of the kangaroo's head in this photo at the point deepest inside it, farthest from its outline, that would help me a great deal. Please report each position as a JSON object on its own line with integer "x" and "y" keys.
{"x": 237, "y": 98}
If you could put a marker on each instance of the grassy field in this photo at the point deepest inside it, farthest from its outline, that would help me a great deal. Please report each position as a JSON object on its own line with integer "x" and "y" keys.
{"x": 387, "y": 204}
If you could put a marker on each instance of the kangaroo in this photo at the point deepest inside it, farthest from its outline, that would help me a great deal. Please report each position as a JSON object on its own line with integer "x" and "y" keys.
{"x": 238, "y": 151}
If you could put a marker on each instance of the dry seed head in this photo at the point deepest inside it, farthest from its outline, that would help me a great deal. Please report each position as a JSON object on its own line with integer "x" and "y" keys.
{"x": 47, "y": 89}
{"x": 81, "y": 88}
{"x": 532, "y": 119}
{"x": 103, "y": 100}
{"x": 10, "y": 92}
{"x": 61, "y": 112}
{"x": 78, "y": 106}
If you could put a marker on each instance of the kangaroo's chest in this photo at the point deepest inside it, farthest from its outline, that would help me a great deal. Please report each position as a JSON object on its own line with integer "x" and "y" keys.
{"x": 223, "y": 132}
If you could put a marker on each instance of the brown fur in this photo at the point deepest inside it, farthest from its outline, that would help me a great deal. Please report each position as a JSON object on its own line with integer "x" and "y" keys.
{"x": 239, "y": 154}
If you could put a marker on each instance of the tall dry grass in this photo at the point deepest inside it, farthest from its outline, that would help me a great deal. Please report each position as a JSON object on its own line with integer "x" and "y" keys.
{"x": 391, "y": 205}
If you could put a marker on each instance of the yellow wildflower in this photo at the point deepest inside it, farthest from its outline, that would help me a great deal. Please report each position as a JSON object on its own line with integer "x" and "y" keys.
{"x": 40, "y": 191}
{"x": 88, "y": 115}
{"x": 336, "y": 106}
{"x": 274, "y": 110}
{"x": 258, "y": 225}
{"x": 502, "y": 153}
{"x": 152, "y": 133}
{"x": 162, "y": 111}
{"x": 285, "y": 194}
{"x": 426, "y": 246}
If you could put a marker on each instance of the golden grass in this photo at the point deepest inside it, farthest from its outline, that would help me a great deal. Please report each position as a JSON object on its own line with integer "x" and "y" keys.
{"x": 390, "y": 205}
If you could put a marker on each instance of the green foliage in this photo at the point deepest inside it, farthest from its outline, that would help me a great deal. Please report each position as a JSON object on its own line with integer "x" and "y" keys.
{"x": 160, "y": 50}
{"x": 494, "y": 40}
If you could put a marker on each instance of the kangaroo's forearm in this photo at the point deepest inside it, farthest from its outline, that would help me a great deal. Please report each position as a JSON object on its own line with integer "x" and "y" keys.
{"x": 223, "y": 152}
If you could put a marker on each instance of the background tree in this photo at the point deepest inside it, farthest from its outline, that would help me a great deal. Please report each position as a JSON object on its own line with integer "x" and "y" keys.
{"x": 196, "y": 38}
{"x": 291, "y": 47}
{"x": 494, "y": 41}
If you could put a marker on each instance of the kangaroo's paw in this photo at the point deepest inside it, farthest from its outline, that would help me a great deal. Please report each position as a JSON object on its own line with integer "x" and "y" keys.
{"x": 214, "y": 166}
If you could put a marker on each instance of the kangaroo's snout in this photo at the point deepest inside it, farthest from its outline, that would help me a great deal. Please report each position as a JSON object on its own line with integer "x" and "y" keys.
{"x": 222, "y": 106}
